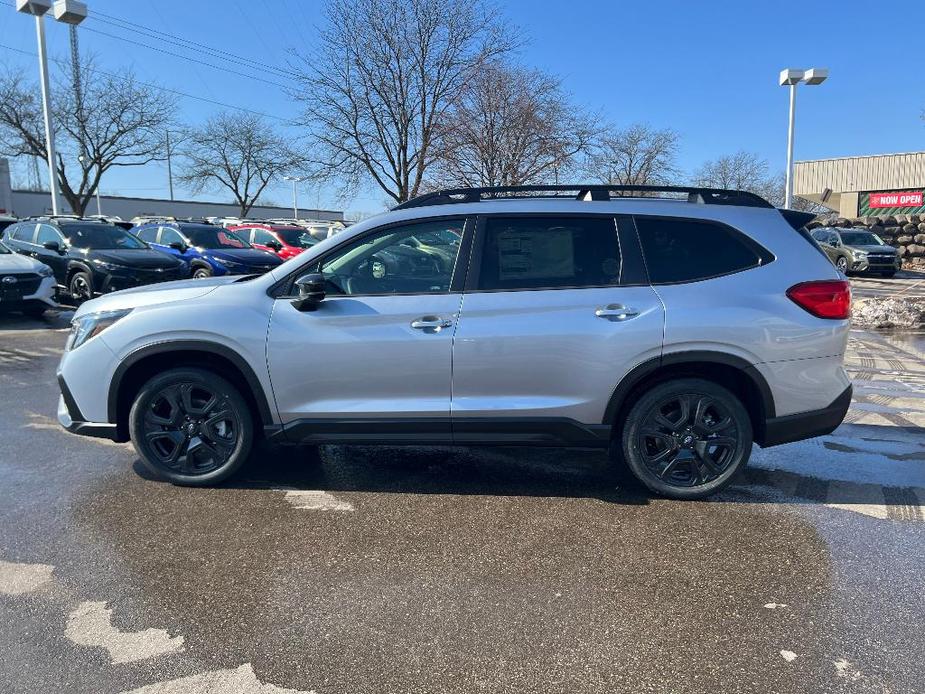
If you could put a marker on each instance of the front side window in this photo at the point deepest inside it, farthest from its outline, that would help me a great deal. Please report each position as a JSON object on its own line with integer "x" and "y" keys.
{"x": 549, "y": 253}
{"x": 383, "y": 263}
{"x": 688, "y": 250}
{"x": 48, "y": 234}
{"x": 169, "y": 236}
{"x": 861, "y": 238}
{"x": 300, "y": 238}
{"x": 261, "y": 236}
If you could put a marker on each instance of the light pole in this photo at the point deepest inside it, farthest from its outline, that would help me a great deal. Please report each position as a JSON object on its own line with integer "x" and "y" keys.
{"x": 66, "y": 11}
{"x": 791, "y": 77}
{"x": 296, "y": 180}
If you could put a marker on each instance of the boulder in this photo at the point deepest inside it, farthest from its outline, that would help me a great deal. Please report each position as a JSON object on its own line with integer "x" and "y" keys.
{"x": 889, "y": 221}
{"x": 915, "y": 218}
{"x": 919, "y": 238}
{"x": 894, "y": 230}
{"x": 902, "y": 251}
{"x": 904, "y": 240}
{"x": 915, "y": 249}
{"x": 902, "y": 219}
{"x": 918, "y": 261}
{"x": 921, "y": 227}
{"x": 910, "y": 228}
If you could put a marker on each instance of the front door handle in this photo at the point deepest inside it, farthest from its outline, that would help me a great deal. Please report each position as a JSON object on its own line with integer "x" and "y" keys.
{"x": 435, "y": 323}
{"x": 616, "y": 312}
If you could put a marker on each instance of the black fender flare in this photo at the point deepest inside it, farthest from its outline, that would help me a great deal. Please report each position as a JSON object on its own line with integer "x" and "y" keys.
{"x": 260, "y": 396}
{"x": 646, "y": 368}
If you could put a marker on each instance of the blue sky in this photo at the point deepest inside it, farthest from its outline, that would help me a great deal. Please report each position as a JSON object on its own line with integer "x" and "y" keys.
{"x": 706, "y": 69}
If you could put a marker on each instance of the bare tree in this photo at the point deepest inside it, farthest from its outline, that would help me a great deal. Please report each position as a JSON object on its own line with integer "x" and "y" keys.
{"x": 512, "y": 126}
{"x": 637, "y": 155}
{"x": 385, "y": 74}
{"x": 237, "y": 151}
{"x": 123, "y": 124}
{"x": 740, "y": 171}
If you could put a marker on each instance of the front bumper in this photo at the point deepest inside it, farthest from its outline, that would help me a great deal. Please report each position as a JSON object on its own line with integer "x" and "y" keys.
{"x": 70, "y": 417}
{"x": 112, "y": 282}
{"x": 44, "y": 294}
{"x": 806, "y": 425}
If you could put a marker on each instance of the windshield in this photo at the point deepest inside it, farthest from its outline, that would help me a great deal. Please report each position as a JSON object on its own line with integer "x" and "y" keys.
{"x": 296, "y": 237}
{"x": 440, "y": 237}
{"x": 861, "y": 238}
{"x": 100, "y": 236}
{"x": 206, "y": 237}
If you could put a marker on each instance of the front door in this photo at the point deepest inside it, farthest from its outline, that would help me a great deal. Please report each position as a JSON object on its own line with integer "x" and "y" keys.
{"x": 556, "y": 311}
{"x": 376, "y": 352}
{"x": 58, "y": 262}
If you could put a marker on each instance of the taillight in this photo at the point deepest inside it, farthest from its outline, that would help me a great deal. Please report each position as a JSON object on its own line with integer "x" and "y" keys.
{"x": 823, "y": 298}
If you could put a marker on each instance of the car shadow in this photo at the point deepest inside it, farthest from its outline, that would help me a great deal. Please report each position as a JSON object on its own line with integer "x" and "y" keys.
{"x": 54, "y": 319}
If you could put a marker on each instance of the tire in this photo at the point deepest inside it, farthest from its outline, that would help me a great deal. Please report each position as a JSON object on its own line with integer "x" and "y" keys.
{"x": 667, "y": 435}
{"x": 191, "y": 427}
{"x": 80, "y": 287}
{"x": 201, "y": 272}
{"x": 842, "y": 264}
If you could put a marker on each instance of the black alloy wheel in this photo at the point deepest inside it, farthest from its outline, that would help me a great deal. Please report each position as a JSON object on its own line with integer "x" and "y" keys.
{"x": 191, "y": 427}
{"x": 80, "y": 287}
{"x": 687, "y": 438}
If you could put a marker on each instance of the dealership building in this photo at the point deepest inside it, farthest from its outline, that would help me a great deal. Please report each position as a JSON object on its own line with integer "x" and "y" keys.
{"x": 871, "y": 186}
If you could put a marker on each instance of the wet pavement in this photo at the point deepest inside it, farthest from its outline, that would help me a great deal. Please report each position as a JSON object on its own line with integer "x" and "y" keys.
{"x": 355, "y": 570}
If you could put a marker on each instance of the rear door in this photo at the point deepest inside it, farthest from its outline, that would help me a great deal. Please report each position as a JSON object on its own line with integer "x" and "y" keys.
{"x": 557, "y": 310}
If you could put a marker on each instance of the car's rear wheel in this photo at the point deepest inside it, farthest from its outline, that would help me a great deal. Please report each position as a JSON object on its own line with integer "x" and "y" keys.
{"x": 201, "y": 273}
{"x": 191, "y": 427}
{"x": 686, "y": 438}
{"x": 80, "y": 287}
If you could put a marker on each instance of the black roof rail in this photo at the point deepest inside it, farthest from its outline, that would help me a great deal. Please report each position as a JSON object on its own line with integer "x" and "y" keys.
{"x": 594, "y": 191}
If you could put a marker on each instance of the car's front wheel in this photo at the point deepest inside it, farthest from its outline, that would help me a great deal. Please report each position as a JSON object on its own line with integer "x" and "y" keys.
{"x": 686, "y": 438}
{"x": 191, "y": 427}
{"x": 842, "y": 264}
{"x": 80, "y": 287}
{"x": 201, "y": 272}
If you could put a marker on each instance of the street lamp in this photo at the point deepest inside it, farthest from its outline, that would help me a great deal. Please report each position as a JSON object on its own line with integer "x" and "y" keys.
{"x": 67, "y": 13}
{"x": 295, "y": 193}
{"x": 791, "y": 77}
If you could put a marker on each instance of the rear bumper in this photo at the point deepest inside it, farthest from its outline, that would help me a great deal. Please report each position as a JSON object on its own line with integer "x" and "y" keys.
{"x": 70, "y": 417}
{"x": 806, "y": 425}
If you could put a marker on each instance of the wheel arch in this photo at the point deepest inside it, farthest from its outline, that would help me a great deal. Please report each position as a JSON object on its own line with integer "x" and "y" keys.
{"x": 729, "y": 371}
{"x": 142, "y": 364}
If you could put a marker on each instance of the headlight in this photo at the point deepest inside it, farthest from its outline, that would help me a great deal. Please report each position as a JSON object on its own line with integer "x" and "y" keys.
{"x": 46, "y": 271}
{"x": 91, "y": 325}
{"x": 860, "y": 255}
{"x": 103, "y": 265}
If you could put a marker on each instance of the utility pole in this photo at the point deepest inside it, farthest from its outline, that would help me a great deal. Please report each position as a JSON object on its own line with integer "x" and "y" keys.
{"x": 169, "y": 168}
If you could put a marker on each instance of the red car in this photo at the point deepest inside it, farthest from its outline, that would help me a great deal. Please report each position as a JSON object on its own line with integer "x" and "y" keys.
{"x": 286, "y": 241}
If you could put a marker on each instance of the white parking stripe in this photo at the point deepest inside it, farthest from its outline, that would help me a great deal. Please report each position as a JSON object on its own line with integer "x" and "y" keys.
{"x": 18, "y": 579}
{"x": 316, "y": 500}
{"x": 91, "y": 625}
{"x": 239, "y": 681}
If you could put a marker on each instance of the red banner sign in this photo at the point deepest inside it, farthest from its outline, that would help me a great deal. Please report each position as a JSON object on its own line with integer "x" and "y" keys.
{"x": 910, "y": 199}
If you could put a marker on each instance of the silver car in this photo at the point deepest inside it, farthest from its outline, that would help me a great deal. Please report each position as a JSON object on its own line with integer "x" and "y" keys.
{"x": 673, "y": 332}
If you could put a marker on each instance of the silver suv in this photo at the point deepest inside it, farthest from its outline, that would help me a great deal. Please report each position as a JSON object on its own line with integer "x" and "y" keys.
{"x": 673, "y": 331}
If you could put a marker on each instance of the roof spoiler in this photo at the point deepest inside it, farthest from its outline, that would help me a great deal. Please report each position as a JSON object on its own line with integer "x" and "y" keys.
{"x": 796, "y": 219}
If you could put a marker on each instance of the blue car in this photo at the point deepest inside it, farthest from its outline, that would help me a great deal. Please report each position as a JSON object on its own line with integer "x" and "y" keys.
{"x": 208, "y": 250}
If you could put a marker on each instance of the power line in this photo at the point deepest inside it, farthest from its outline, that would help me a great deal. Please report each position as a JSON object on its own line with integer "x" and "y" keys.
{"x": 183, "y": 57}
{"x": 157, "y": 34}
{"x": 166, "y": 89}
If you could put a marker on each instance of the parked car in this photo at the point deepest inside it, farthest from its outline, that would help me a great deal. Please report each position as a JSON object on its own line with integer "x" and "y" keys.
{"x": 858, "y": 250}
{"x": 674, "y": 333}
{"x": 209, "y": 250}
{"x": 112, "y": 219}
{"x": 286, "y": 241}
{"x": 91, "y": 258}
{"x": 26, "y": 285}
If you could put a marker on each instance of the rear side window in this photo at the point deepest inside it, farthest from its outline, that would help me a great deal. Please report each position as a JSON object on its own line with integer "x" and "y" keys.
{"x": 688, "y": 250}
{"x": 549, "y": 253}
{"x": 22, "y": 232}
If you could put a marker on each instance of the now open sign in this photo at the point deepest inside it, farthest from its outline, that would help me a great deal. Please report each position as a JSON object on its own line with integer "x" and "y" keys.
{"x": 905, "y": 199}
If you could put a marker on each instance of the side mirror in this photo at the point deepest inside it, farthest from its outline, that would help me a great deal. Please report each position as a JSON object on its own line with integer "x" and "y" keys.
{"x": 53, "y": 246}
{"x": 178, "y": 246}
{"x": 275, "y": 245}
{"x": 311, "y": 291}
{"x": 836, "y": 243}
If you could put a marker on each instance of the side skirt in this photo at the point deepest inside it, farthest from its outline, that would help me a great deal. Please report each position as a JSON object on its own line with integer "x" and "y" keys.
{"x": 470, "y": 431}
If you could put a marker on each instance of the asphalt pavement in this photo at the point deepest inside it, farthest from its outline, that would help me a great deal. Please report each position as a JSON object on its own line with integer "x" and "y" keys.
{"x": 355, "y": 570}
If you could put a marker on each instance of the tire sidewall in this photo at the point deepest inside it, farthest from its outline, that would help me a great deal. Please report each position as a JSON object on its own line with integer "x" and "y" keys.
{"x": 635, "y": 419}
{"x": 201, "y": 273}
{"x": 70, "y": 285}
{"x": 236, "y": 401}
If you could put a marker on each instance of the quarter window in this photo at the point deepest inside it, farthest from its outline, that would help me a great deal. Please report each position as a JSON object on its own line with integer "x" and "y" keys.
{"x": 549, "y": 253}
{"x": 388, "y": 262}
{"x": 688, "y": 250}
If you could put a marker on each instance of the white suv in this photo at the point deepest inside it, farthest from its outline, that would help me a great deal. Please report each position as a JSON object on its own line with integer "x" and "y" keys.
{"x": 675, "y": 332}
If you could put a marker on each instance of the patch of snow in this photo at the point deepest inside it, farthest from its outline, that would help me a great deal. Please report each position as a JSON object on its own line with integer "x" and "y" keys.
{"x": 892, "y": 312}
{"x": 91, "y": 625}
{"x": 18, "y": 579}
{"x": 789, "y": 656}
{"x": 313, "y": 500}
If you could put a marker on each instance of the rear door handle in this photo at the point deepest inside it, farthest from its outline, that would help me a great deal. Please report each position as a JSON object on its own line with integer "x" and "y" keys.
{"x": 434, "y": 323}
{"x": 616, "y": 312}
